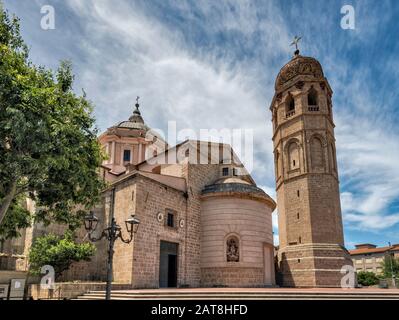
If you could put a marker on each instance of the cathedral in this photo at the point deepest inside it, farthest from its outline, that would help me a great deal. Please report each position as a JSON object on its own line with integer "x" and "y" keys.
{"x": 203, "y": 220}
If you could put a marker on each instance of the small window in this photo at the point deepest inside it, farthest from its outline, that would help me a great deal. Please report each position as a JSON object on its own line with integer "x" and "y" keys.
{"x": 126, "y": 155}
{"x": 225, "y": 172}
{"x": 300, "y": 240}
{"x": 235, "y": 172}
{"x": 293, "y": 163}
{"x": 170, "y": 221}
{"x": 297, "y": 215}
{"x": 297, "y": 193}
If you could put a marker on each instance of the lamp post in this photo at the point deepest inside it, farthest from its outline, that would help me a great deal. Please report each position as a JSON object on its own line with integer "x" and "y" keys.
{"x": 111, "y": 233}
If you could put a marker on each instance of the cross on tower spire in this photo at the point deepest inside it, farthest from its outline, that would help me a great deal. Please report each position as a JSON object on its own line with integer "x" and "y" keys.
{"x": 295, "y": 42}
{"x": 137, "y": 105}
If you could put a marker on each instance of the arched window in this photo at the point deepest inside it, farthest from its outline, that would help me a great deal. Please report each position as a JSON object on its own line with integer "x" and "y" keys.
{"x": 312, "y": 97}
{"x": 293, "y": 156}
{"x": 232, "y": 249}
{"x": 317, "y": 154}
{"x": 290, "y": 103}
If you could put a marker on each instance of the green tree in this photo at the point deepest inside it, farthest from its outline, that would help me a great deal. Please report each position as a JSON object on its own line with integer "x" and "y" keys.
{"x": 388, "y": 265}
{"x": 58, "y": 252}
{"x": 48, "y": 145}
{"x": 367, "y": 278}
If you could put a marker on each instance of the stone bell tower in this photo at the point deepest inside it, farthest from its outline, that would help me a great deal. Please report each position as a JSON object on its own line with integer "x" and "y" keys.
{"x": 311, "y": 251}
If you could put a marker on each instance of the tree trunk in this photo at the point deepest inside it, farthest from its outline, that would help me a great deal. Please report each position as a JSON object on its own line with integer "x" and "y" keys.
{"x": 7, "y": 200}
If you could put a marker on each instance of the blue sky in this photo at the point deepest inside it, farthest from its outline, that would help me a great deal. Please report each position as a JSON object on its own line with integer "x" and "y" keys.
{"x": 212, "y": 64}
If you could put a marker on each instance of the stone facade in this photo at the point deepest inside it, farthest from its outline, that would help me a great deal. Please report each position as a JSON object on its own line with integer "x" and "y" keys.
{"x": 234, "y": 214}
{"x": 311, "y": 251}
{"x": 368, "y": 257}
{"x": 150, "y": 191}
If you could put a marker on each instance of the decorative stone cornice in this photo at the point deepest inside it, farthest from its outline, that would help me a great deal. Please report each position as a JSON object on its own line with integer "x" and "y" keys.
{"x": 238, "y": 190}
{"x": 299, "y": 65}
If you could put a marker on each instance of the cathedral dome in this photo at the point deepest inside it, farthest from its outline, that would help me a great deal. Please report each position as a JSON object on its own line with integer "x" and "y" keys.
{"x": 240, "y": 189}
{"x": 299, "y": 66}
{"x": 131, "y": 125}
{"x": 135, "y": 122}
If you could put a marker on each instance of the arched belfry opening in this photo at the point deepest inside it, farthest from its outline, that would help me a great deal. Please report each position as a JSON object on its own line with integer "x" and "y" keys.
{"x": 312, "y": 97}
{"x": 290, "y": 105}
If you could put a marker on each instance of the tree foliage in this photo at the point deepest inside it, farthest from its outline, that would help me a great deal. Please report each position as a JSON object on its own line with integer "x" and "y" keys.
{"x": 58, "y": 252}
{"x": 390, "y": 265}
{"x": 366, "y": 278}
{"x": 48, "y": 147}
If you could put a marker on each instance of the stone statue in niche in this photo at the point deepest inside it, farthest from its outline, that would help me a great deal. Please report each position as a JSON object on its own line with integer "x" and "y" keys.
{"x": 233, "y": 251}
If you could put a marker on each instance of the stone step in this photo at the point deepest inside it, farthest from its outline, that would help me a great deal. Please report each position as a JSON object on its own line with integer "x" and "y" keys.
{"x": 126, "y": 295}
{"x": 249, "y": 293}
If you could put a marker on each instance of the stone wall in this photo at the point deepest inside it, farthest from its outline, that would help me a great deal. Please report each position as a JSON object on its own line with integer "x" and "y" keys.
{"x": 7, "y": 275}
{"x": 137, "y": 263}
{"x": 313, "y": 265}
{"x": 153, "y": 202}
{"x": 198, "y": 176}
{"x": 233, "y": 277}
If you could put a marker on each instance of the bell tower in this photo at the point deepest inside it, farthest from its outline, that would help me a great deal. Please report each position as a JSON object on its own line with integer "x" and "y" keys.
{"x": 311, "y": 250}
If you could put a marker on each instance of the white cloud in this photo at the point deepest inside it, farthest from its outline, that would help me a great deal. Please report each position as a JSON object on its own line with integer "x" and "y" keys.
{"x": 373, "y": 222}
{"x": 127, "y": 51}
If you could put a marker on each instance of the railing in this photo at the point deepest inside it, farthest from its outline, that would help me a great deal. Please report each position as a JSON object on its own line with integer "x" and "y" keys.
{"x": 313, "y": 108}
{"x": 290, "y": 113}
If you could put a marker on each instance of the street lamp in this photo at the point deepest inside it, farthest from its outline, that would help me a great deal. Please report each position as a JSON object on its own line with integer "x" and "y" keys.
{"x": 111, "y": 233}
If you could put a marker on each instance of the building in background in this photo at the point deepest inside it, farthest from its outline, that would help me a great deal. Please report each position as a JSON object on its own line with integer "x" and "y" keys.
{"x": 367, "y": 257}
